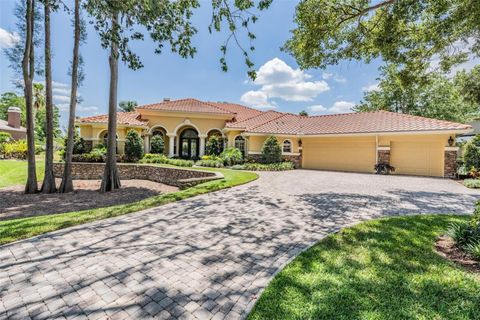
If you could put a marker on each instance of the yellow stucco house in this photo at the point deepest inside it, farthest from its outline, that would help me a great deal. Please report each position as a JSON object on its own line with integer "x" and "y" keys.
{"x": 345, "y": 142}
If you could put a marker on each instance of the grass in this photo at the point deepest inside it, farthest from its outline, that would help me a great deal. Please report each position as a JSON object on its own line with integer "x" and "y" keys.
{"x": 13, "y": 172}
{"x": 16, "y": 229}
{"x": 382, "y": 269}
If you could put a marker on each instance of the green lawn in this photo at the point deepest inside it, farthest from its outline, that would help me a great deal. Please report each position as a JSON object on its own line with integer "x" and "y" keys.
{"x": 14, "y": 172}
{"x": 382, "y": 269}
{"x": 16, "y": 229}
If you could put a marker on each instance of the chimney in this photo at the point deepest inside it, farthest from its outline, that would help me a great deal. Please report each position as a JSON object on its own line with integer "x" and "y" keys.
{"x": 166, "y": 99}
{"x": 14, "y": 117}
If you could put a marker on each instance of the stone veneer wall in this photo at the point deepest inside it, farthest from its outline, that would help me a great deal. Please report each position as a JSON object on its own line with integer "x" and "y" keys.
{"x": 450, "y": 164}
{"x": 181, "y": 178}
{"x": 384, "y": 156}
{"x": 297, "y": 159}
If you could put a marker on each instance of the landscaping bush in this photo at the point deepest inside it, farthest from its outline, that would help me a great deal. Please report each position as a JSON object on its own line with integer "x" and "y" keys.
{"x": 271, "y": 151}
{"x": 15, "y": 149}
{"x": 162, "y": 159}
{"x": 471, "y": 155}
{"x": 467, "y": 234}
{"x": 214, "y": 163}
{"x": 231, "y": 156}
{"x": 133, "y": 146}
{"x": 157, "y": 145}
{"x": 5, "y": 137}
{"x": 98, "y": 154}
{"x": 281, "y": 166}
{"x": 213, "y": 146}
{"x": 472, "y": 183}
{"x": 238, "y": 167}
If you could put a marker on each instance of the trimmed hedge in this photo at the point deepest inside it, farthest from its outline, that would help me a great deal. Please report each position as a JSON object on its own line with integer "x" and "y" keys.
{"x": 281, "y": 166}
{"x": 472, "y": 183}
{"x": 160, "y": 158}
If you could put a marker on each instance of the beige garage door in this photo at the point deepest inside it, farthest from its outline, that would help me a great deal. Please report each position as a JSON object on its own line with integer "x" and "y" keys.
{"x": 424, "y": 158}
{"x": 343, "y": 155}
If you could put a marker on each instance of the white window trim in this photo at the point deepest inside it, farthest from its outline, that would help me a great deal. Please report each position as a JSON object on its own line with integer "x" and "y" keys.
{"x": 291, "y": 147}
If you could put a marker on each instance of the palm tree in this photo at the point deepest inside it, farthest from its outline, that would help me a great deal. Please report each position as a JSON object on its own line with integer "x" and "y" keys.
{"x": 28, "y": 72}
{"x": 48, "y": 185}
{"x": 67, "y": 183}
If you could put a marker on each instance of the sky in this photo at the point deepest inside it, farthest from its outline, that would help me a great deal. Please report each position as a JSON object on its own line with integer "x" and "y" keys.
{"x": 280, "y": 84}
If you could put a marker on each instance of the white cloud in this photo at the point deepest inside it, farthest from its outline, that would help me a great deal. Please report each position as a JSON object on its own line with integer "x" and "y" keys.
{"x": 79, "y": 108}
{"x": 338, "y": 107}
{"x": 341, "y": 107}
{"x": 61, "y": 91}
{"x": 8, "y": 39}
{"x": 335, "y": 77}
{"x": 317, "y": 108}
{"x": 371, "y": 87}
{"x": 60, "y": 99}
{"x": 279, "y": 80}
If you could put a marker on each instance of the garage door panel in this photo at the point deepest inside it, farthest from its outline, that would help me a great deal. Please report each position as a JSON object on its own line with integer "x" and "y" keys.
{"x": 423, "y": 158}
{"x": 357, "y": 156}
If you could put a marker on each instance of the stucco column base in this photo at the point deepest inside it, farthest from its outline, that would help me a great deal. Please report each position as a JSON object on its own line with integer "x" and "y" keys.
{"x": 171, "y": 144}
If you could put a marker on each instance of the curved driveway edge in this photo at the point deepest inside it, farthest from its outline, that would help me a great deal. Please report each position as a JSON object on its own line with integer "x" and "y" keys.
{"x": 205, "y": 257}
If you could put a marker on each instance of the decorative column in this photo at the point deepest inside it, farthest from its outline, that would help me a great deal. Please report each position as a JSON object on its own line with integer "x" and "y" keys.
{"x": 146, "y": 143}
{"x": 202, "y": 137}
{"x": 171, "y": 144}
{"x": 450, "y": 162}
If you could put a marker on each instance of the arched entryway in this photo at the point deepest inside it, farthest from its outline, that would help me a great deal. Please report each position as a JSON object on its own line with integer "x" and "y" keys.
{"x": 104, "y": 139}
{"x": 216, "y": 146}
{"x": 189, "y": 144}
{"x": 155, "y": 147}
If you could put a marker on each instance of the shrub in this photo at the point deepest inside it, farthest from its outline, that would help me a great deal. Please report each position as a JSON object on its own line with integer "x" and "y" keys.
{"x": 238, "y": 167}
{"x": 5, "y": 137}
{"x": 282, "y": 166}
{"x": 472, "y": 183}
{"x": 471, "y": 155}
{"x": 133, "y": 146}
{"x": 214, "y": 163}
{"x": 162, "y": 159}
{"x": 15, "y": 149}
{"x": 213, "y": 146}
{"x": 231, "y": 156}
{"x": 157, "y": 145}
{"x": 474, "y": 250}
{"x": 271, "y": 151}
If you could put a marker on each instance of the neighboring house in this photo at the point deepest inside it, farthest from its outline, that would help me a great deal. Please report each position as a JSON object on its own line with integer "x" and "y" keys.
{"x": 468, "y": 136}
{"x": 344, "y": 142}
{"x": 12, "y": 125}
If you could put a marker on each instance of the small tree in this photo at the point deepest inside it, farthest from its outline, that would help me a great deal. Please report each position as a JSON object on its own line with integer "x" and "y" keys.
{"x": 157, "y": 145}
{"x": 133, "y": 146}
{"x": 471, "y": 155}
{"x": 214, "y": 146}
{"x": 271, "y": 151}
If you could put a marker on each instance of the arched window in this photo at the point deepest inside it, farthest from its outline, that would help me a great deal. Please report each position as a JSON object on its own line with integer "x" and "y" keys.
{"x": 104, "y": 140}
{"x": 287, "y": 146}
{"x": 240, "y": 144}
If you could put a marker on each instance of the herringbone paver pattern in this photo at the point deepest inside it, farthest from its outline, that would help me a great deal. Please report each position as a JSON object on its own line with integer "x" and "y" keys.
{"x": 208, "y": 257}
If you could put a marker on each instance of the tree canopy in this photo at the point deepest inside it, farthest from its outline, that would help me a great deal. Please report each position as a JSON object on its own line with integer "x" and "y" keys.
{"x": 437, "y": 96}
{"x": 406, "y": 32}
{"x": 127, "y": 106}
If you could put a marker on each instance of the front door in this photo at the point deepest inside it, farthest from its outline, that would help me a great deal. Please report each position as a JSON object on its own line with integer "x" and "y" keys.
{"x": 189, "y": 143}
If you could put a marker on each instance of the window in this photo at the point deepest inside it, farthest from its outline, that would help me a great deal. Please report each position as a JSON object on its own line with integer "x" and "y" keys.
{"x": 287, "y": 146}
{"x": 240, "y": 144}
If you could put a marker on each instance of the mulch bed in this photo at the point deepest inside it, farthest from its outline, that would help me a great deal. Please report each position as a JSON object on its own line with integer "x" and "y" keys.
{"x": 446, "y": 247}
{"x": 15, "y": 204}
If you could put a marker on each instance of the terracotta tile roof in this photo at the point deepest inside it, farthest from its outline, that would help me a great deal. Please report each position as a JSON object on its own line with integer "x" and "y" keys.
{"x": 251, "y": 123}
{"x": 185, "y": 105}
{"x": 241, "y": 112}
{"x": 128, "y": 118}
{"x": 287, "y": 123}
{"x": 370, "y": 122}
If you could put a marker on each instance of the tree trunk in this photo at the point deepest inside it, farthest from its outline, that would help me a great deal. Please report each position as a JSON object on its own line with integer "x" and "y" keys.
{"x": 48, "y": 185}
{"x": 67, "y": 183}
{"x": 28, "y": 70}
{"x": 111, "y": 179}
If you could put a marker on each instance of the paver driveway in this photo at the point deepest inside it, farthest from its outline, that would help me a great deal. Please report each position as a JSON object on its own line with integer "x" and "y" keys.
{"x": 209, "y": 256}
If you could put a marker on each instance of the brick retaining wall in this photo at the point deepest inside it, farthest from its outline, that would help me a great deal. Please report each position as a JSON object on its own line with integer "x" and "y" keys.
{"x": 181, "y": 178}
